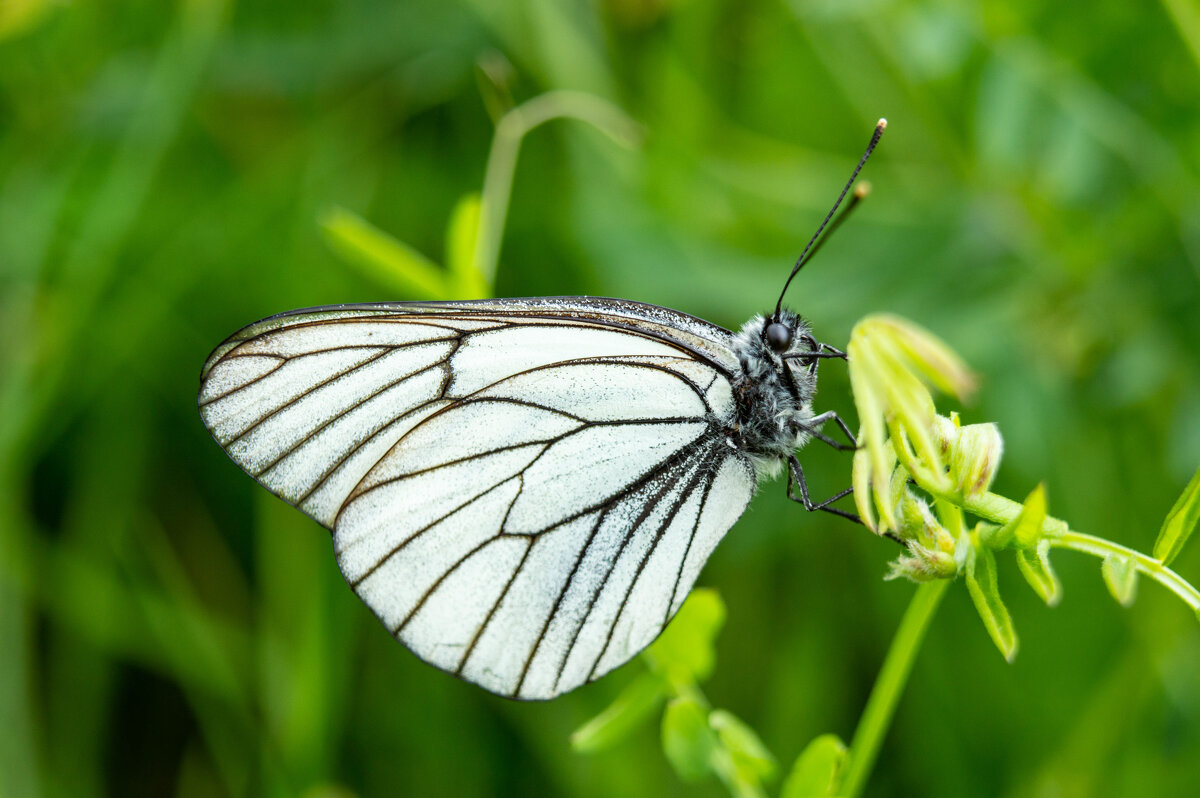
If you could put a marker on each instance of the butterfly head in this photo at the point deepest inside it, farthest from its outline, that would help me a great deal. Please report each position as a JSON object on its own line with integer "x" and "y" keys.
{"x": 790, "y": 338}
{"x": 778, "y": 357}
{"x": 782, "y": 343}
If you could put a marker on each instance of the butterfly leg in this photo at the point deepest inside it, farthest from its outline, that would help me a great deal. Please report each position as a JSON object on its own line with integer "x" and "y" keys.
{"x": 831, "y": 351}
{"x": 796, "y": 473}
{"x": 813, "y": 428}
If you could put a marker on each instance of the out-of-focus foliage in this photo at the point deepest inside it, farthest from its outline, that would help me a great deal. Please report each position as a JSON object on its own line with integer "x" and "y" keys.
{"x": 167, "y": 171}
{"x": 698, "y": 741}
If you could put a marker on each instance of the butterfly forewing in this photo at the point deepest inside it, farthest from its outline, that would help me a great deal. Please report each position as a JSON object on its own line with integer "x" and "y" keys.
{"x": 523, "y": 491}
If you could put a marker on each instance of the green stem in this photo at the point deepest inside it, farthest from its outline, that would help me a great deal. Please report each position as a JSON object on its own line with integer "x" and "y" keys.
{"x": 1099, "y": 547}
{"x": 506, "y": 145}
{"x": 881, "y": 705}
{"x": 1001, "y": 510}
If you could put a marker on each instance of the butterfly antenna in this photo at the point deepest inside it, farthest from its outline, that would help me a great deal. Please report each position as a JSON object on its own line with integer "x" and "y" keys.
{"x": 861, "y": 191}
{"x": 809, "y": 250}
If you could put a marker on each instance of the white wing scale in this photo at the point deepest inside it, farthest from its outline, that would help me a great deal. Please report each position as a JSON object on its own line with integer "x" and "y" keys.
{"x": 524, "y": 491}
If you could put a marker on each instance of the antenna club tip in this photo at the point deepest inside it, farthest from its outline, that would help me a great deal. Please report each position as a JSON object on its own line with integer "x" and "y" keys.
{"x": 881, "y": 124}
{"x": 862, "y": 189}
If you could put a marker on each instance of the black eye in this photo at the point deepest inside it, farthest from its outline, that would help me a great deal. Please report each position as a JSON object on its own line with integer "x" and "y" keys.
{"x": 779, "y": 336}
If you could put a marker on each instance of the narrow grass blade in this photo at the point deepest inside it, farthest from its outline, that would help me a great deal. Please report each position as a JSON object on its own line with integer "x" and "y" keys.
{"x": 461, "y": 233}
{"x": 381, "y": 257}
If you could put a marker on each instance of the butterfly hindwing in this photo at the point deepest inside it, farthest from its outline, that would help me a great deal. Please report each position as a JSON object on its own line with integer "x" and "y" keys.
{"x": 550, "y": 546}
{"x": 523, "y": 493}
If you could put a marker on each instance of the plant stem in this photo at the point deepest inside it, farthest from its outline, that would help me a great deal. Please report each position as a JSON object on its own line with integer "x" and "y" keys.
{"x": 1001, "y": 510}
{"x": 1099, "y": 547}
{"x": 881, "y": 705}
{"x": 506, "y": 145}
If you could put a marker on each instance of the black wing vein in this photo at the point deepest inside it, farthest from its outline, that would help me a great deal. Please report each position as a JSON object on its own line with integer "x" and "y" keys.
{"x": 701, "y": 471}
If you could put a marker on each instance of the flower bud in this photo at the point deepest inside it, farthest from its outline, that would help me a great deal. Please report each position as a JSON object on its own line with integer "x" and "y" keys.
{"x": 922, "y": 565}
{"x": 975, "y": 458}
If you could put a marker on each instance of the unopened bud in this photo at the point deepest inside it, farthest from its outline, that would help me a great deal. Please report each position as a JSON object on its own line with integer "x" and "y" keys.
{"x": 920, "y": 525}
{"x": 922, "y": 564}
{"x": 972, "y": 453}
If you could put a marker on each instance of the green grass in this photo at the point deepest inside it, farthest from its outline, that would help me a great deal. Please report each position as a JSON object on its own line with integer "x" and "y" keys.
{"x": 165, "y": 170}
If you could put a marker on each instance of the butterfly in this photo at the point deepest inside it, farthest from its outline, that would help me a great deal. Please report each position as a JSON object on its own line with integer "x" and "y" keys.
{"x": 523, "y": 491}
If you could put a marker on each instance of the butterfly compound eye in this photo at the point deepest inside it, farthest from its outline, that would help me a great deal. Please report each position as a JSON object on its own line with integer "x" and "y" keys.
{"x": 779, "y": 336}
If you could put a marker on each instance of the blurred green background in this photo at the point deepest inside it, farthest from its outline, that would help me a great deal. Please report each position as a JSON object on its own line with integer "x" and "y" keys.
{"x": 168, "y": 628}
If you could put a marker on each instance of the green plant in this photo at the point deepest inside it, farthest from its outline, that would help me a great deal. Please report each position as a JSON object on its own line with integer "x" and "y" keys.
{"x": 917, "y": 477}
{"x": 476, "y": 227}
{"x": 169, "y": 630}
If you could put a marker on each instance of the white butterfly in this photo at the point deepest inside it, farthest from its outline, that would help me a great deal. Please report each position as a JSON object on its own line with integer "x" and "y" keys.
{"x": 522, "y": 490}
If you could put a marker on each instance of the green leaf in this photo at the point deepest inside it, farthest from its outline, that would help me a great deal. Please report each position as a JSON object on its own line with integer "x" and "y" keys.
{"x": 1027, "y": 529}
{"x": 867, "y": 384}
{"x": 1180, "y": 522}
{"x": 982, "y": 585}
{"x": 818, "y": 770}
{"x": 684, "y": 652}
{"x": 930, "y": 356}
{"x": 751, "y": 757}
{"x": 1035, "y": 567}
{"x": 860, "y": 479}
{"x": 461, "y": 235}
{"x": 381, "y": 257}
{"x": 1120, "y": 575}
{"x": 897, "y": 488}
{"x": 687, "y": 739}
{"x": 912, "y": 411}
{"x": 637, "y": 701}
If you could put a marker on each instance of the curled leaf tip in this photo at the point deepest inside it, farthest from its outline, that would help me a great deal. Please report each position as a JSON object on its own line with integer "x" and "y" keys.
{"x": 927, "y": 354}
{"x": 1035, "y": 567}
{"x": 1120, "y": 576}
{"x": 818, "y": 770}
